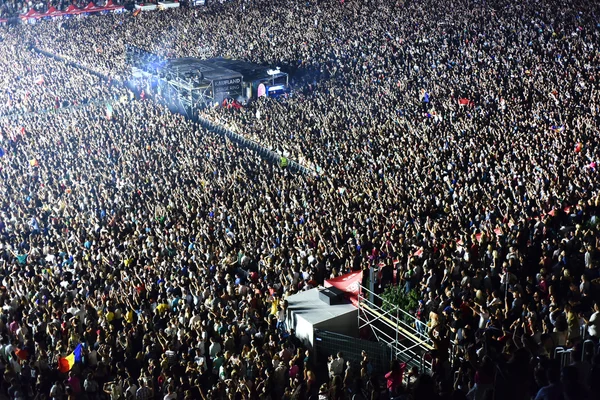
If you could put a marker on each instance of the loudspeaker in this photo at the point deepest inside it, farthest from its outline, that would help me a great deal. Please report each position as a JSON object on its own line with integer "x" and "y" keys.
{"x": 331, "y": 296}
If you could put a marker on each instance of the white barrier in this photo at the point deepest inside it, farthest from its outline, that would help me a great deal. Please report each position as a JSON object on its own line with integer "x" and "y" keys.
{"x": 163, "y": 5}
{"x": 146, "y": 7}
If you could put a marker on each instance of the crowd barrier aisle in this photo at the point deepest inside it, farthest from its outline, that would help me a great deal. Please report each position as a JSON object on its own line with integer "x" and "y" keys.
{"x": 243, "y": 142}
{"x": 16, "y": 115}
{"x": 74, "y": 64}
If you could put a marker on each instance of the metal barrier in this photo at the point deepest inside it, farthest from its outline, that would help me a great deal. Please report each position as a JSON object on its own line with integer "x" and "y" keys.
{"x": 329, "y": 343}
{"x": 588, "y": 347}
{"x": 563, "y": 355}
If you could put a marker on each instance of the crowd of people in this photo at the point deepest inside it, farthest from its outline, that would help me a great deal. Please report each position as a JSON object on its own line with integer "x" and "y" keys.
{"x": 33, "y": 82}
{"x": 153, "y": 242}
{"x": 454, "y": 150}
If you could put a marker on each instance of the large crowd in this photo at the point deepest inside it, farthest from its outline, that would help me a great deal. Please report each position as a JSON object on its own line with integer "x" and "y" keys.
{"x": 457, "y": 146}
{"x": 33, "y": 82}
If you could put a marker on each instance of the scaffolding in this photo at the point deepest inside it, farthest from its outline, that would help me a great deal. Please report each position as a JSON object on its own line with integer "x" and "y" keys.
{"x": 396, "y": 328}
{"x": 192, "y": 94}
{"x": 189, "y": 84}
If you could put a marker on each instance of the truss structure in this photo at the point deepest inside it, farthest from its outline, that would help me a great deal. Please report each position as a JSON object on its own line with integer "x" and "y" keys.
{"x": 396, "y": 328}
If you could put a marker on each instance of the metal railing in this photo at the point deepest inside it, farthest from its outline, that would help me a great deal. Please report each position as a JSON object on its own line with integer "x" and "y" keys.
{"x": 563, "y": 355}
{"x": 396, "y": 328}
{"x": 589, "y": 349}
{"x": 330, "y": 343}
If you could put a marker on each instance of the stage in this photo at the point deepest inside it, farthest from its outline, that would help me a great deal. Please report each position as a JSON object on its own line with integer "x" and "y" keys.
{"x": 308, "y": 312}
{"x": 198, "y": 83}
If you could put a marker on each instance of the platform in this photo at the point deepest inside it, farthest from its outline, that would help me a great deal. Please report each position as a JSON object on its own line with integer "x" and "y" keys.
{"x": 307, "y": 313}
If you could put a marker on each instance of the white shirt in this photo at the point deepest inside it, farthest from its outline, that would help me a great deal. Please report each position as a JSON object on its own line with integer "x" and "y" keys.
{"x": 193, "y": 320}
{"x": 593, "y": 328}
{"x": 73, "y": 311}
{"x": 483, "y": 317}
{"x": 92, "y": 358}
{"x": 8, "y": 350}
{"x": 336, "y": 367}
{"x": 214, "y": 349}
{"x": 22, "y": 332}
{"x": 132, "y": 389}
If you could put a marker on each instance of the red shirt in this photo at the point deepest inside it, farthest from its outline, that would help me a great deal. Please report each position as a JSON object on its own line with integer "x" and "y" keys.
{"x": 394, "y": 379}
{"x": 483, "y": 379}
{"x": 73, "y": 381}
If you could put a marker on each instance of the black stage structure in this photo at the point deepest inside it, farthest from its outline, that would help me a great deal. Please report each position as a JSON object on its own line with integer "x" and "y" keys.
{"x": 193, "y": 83}
{"x": 189, "y": 84}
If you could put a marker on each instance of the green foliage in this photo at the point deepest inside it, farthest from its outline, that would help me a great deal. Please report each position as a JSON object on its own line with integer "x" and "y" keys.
{"x": 395, "y": 296}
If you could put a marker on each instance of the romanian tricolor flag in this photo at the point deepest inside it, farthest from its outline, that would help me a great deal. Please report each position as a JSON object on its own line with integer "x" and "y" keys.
{"x": 66, "y": 363}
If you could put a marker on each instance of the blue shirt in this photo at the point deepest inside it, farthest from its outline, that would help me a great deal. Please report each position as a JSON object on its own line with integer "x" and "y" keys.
{"x": 550, "y": 392}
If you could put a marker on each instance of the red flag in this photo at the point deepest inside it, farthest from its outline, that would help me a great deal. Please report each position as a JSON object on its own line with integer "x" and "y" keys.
{"x": 464, "y": 102}
{"x": 22, "y": 354}
{"x": 349, "y": 283}
{"x": 63, "y": 365}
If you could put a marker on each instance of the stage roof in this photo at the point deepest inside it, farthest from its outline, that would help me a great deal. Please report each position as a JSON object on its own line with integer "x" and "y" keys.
{"x": 307, "y": 313}
{"x": 308, "y": 306}
{"x": 251, "y": 72}
{"x": 191, "y": 65}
